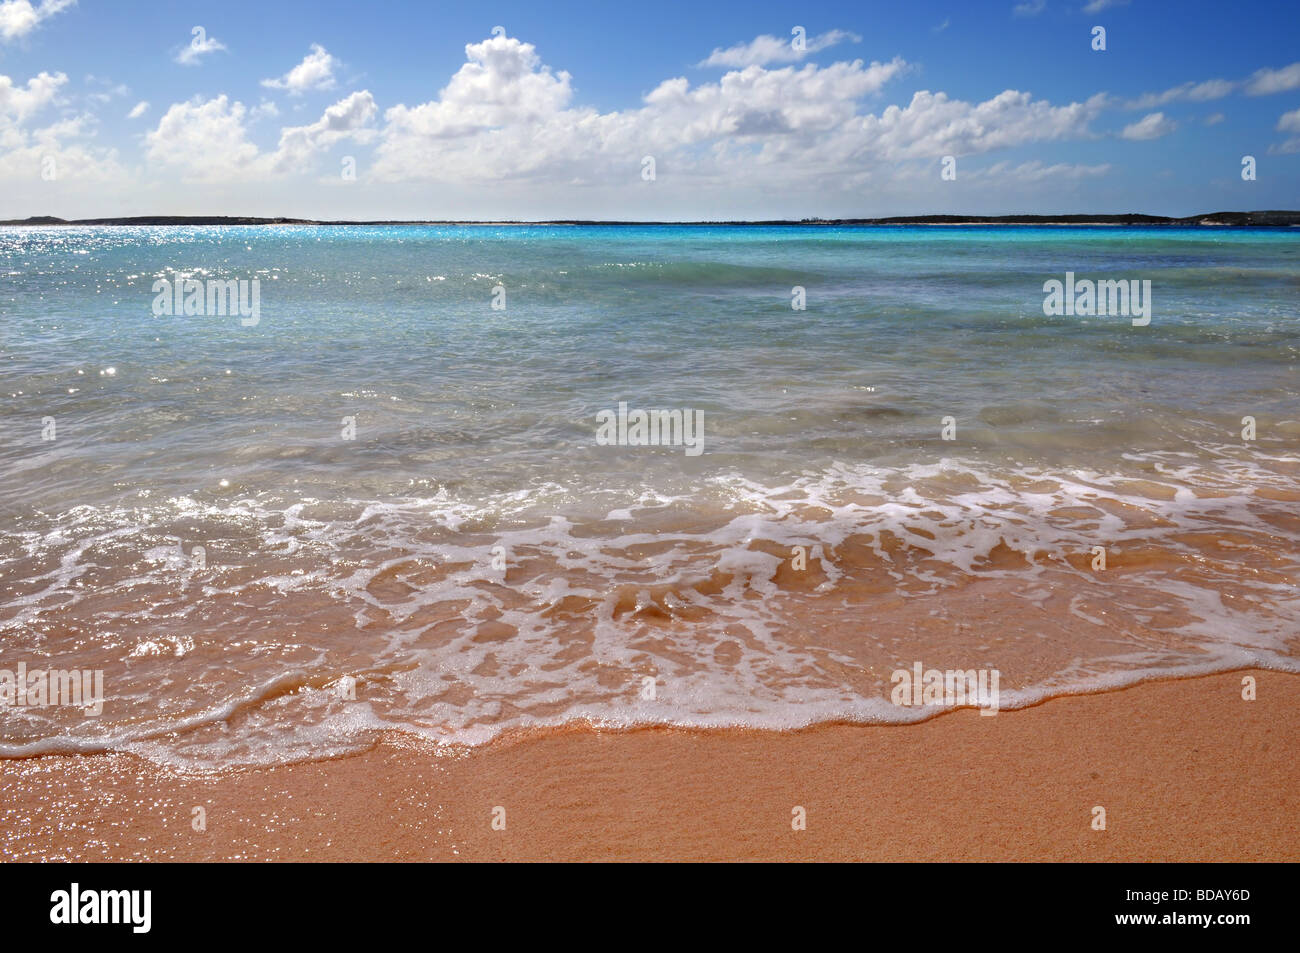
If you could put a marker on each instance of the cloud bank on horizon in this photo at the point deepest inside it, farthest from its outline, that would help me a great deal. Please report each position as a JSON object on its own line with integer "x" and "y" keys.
{"x": 809, "y": 124}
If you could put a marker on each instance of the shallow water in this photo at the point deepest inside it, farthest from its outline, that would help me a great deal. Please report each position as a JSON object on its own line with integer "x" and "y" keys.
{"x": 380, "y": 558}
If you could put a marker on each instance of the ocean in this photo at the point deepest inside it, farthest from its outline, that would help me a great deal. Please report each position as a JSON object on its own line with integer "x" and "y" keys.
{"x": 460, "y": 481}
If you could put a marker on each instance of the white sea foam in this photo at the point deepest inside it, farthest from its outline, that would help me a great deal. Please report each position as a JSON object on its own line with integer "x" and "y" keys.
{"x": 403, "y": 595}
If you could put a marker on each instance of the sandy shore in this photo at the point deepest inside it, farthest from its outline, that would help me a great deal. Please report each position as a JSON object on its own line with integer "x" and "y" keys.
{"x": 1186, "y": 770}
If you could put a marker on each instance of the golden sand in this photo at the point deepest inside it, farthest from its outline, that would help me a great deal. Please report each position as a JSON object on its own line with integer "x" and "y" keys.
{"x": 1186, "y": 770}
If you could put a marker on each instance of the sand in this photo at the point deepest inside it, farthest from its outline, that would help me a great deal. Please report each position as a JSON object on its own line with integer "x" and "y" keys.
{"x": 1186, "y": 770}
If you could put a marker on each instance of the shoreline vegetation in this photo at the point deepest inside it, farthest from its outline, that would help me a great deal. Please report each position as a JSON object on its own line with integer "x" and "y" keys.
{"x": 1266, "y": 219}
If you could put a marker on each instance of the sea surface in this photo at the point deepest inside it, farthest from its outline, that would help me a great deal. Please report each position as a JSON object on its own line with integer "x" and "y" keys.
{"x": 384, "y": 505}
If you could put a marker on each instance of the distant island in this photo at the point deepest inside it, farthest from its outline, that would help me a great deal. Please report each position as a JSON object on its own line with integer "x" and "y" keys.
{"x": 1271, "y": 219}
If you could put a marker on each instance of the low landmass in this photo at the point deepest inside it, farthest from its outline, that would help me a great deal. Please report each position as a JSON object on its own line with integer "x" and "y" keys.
{"x": 1269, "y": 219}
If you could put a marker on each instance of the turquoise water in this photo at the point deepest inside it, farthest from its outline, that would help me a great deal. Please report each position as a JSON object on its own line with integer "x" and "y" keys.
{"x": 394, "y": 325}
{"x": 475, "y": 429}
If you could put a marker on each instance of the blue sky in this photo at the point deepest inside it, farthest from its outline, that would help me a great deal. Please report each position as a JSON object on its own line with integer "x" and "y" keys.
{"x": 418, "y": 110}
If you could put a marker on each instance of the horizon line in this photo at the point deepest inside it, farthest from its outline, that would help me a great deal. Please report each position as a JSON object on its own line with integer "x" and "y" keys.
{"x": 1257, "y": 218}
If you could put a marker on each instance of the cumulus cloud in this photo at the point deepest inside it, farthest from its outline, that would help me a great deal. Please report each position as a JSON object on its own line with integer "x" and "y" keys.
{"x": 502, "y": 84}
{"x": 349, "y": 118}
{"x": 202, "y": 44}
{"x": 56, "y": 147}
{"x": 934, "y": 124}
{"x": 58, "y": 151}
{"x": 503, "y": 99}
{"x": 507, "y": 119}
{"x": 20, "y": 17}
{"x": 17, "y": 103}
{"x": 316, "y": 71}
{"x": 759, "y": 102}
{"x": 1151, "y": 126}
{"x": 1267, "y": 81}
{"x": 507, "y": 116}
{"x": 207, "y": 140}
{"x": 1290, "y": 122}
{"x": 771, "y": 49}
{"x": 138, "y": 110}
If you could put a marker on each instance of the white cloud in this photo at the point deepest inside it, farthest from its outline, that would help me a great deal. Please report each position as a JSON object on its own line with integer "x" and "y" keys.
{"x": 26, "y": 152}
{"x": 507, "y": 120}
{"x": 771, "y": 49}
{"x": 1206, "y": 91}
{"x": 1030, "y": 8}
{"x": 138, "y": 110}
{"x": 503, "y": 84}
{"x": 20, "y": 17}
{"x": 108, "y": 93}
{"x": 1096, "y": 6}
{"x": 316, "y": 71}
{"x": 72, "y": 163}
{"x": 1036, "y": 171}
{"x": 505, "y": 116}
{"x": 1267, "y": 81}
{"x": 17, "y": 103}
{"x": 197, "y": 48}
{"x": 207, "y": 140}
{"x": 1151, "y": 126}
{"x": 761, "y": 102}
{"x": 1214, "y": 119}
{"x": 1290, "y": 122}
{"x": 349, "y": 118}
{"x": 1261, "y": 83}
{"x": 934, "y": 124}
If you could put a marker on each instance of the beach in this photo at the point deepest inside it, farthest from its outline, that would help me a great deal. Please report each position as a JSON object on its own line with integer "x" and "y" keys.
{"x": 1186, "y": 770}
{"x": 655, "y": 434}
{"x": 648, "y": 535}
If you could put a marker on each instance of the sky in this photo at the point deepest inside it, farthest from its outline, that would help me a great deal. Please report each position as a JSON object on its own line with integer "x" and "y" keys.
{"x": 728, "y": 109}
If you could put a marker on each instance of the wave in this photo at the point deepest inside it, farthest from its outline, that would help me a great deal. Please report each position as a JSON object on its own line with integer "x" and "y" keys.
{"x": 747, "y": 604}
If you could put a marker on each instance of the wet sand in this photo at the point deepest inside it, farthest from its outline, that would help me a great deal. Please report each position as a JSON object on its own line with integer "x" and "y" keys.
{"x": 1186, "y": 770}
